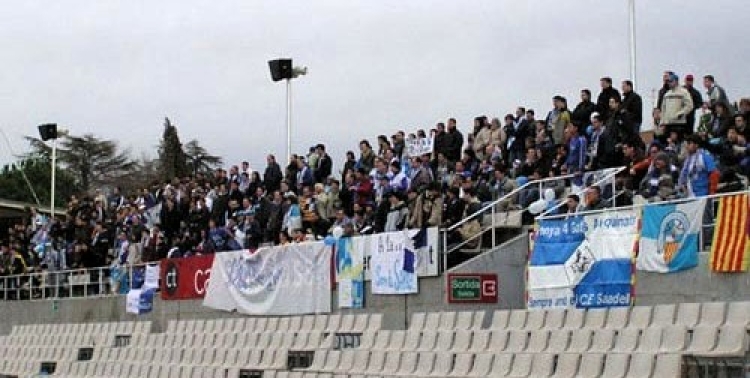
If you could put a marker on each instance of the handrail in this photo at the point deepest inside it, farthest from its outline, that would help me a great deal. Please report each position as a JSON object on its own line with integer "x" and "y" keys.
{"x": 607, "y": 176}
{"x": 491, "y": 207}
{"x": 49, "y": 284}
{"x": 506, "y": 197}
{"x": 641, "y": 205}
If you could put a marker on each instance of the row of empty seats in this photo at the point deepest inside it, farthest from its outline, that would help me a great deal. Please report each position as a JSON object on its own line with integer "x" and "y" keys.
{"x": 428, "y": 364}
{"x": 712, "y": 314}
{"x": 347, "y": 323}
{"x": 124, "y": 327}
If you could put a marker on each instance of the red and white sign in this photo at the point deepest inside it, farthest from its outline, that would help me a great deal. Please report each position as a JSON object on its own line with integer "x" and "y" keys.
{"x": 185, "y": 278}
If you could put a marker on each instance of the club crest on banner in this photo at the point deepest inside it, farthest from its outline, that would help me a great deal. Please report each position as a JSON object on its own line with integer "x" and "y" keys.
{"x": 672, "y": 231}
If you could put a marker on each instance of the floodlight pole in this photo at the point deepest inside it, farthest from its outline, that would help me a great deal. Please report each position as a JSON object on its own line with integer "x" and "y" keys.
{"x": 52, "y": 189}
{"x": 289, "y": 118}
{"x": 631, "y": 18}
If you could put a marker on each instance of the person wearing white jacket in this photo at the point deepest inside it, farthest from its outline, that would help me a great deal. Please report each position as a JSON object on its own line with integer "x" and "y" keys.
{"x": 675, "y": 107}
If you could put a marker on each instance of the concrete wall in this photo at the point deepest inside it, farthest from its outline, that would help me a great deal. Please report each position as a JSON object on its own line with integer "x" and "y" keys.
{"x": 507, "y": 260}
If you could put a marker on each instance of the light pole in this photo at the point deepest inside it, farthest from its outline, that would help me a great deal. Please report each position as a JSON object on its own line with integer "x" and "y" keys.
{"x": 631, "y": 19}
{"x": 282, "y": 69}
{"x": 49, "y": 131}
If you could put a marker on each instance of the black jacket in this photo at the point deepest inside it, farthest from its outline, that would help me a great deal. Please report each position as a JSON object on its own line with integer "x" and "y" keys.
{"x": 633, "y": 106}
{"x": 602, "y": 102}
{"x": 581, "y": 115}
{"x": 325, "y": 166}
{"x": 272, "y": 177}
{"x": 608, "y": 153}
{"x": 454, "y": 142}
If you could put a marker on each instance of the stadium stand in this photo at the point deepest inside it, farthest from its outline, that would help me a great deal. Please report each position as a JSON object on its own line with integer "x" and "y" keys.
{"x": 621, "y": 342}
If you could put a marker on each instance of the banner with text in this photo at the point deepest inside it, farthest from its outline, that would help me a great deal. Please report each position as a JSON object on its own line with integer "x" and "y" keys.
{"x": 419, "y": 146}
{"x": 583, "y": 261}
{"x": 280, "y": 280}
{"x": 350, "y": 273}
{"x": 185, "y": 278}
{"x": 423, "y": 242}
{"x": 393, "y": 264}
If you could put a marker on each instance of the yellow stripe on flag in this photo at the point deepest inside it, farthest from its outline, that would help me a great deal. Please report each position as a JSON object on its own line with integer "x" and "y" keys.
{"x": 729, "y": 250}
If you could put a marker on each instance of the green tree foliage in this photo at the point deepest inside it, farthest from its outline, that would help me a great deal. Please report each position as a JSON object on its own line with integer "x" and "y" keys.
{"x": 199, "y": 160}
{"x": 172, "y": 158}
{"x": 14, "y": 187}
{"x": 91, "y": 161}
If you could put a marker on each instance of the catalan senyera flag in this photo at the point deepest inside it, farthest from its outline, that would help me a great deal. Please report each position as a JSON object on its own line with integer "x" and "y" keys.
{"x": 730, "y": 249}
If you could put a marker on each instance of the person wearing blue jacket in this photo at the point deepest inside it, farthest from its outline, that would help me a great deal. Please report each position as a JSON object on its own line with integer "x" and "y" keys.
{"x": 695, "y": 175}
{"x": 577, "y": 152}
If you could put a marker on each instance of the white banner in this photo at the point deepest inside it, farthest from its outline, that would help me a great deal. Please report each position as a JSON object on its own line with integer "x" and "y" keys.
{"x": 152, "y": 277}
{"x": 393, "y": 264}
{"x": 423, "y": 242}
{"x": 281, "y": 280}
{"x": 419, "y": 146}
{"x": 132, "y": 300}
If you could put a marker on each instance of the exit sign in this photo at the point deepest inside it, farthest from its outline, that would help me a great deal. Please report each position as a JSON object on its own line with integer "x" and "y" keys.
{"x": 472, "y": 288}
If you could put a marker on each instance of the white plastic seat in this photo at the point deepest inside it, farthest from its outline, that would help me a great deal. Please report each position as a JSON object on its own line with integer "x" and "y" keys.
{"x": 641, "y": 365}
{"x": 447, "y": 320}
{"x": 554, "y": 318}
{"x": 732, "y": 342}
{"x": 522, "y": 364}
{"x": 361, "y": 323}
{"x": 391, "y": 363}
{"x": 480, "y": 341}
{"x": 462, "y": 365}
{"x": 376, "y": 362}
{"x": 395, "y": 341}
{"x": 595, "y": 318}
{"x": 616, "y": 365}
{"x": 498, "y": 340}
{"x": 663, "y": 315}
{"x": 668, "y": 366}
{"x": 432, "y": 321}
{"x": 558, "y": 341}
{"x": 567, "y": 365}
{"x": 703, "y": 340}
{"x": 425, "y": 364}
{"x": 407, "y": 365}
{"x": 517, "y": 319}
{"x": 332, "y": 360}
{"x": 674, "y": 339}
{"x": 712, "y": 314}
{"x": 580, "y": 341}
{"x": 334, "y": 322}
{"x": 627, "y": 340}
{"x": 470, "y": 320}
{"x": 412, "y": 340}
{"x": 443, "y": 365}
{"x": 351, "y": 359}
{"x": 537, "y": 341}
{"x": 427, "y": 341}
{"x": 535, "y": 320}
{"x": 443, "y": 341}
{"x": 640, "y": 317}
{"x": 347, "y": 323}
{"x": 574, "y": 319}
{"x": 500, "y": 319}
{"x": 320, "y": 323}
{"x": 375, "y": 321}
{"x": 650, "y": 340}
{"x": 417, "y": 321}
{"x": 688, "y": 314}
{"x": 482, "y": 365}
{"x": 517, "y": 341}
{"x": 617, "y": 318}
{"x": 461, "y": 340}
{"x": 738, "y": 314}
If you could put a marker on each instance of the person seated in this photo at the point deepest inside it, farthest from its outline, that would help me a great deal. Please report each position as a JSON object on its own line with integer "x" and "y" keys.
{"x": 593, "y": 199}
{"x": 658, "y": 183}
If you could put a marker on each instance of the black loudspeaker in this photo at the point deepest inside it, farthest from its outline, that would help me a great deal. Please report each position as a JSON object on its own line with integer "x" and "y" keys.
{"x": 48, "y": 131}
{"x": 280, "y": 69}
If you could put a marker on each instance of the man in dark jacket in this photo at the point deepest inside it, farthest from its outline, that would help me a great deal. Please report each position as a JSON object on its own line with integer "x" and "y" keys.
{"x": 632, "y": 106}
{"x": 272, "y": 176}
{"x": 582, "y": 112}
{"x": 608, "y": 152}
{"x": 602, "y": 102}
{"x": 454, "y": 141}
{"x": 325, "y": 164}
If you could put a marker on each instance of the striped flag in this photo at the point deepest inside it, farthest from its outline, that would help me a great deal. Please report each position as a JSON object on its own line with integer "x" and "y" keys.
{"x": 729, "y": 250}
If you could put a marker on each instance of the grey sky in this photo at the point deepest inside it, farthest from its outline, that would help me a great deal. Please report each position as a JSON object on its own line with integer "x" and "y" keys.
{"x": 116, "y": 68}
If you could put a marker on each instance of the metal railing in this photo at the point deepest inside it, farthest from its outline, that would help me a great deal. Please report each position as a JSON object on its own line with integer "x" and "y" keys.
{"x": 72, "y": 283}
{"x": 494, "y": 208}
{"x": 603, "y": 178}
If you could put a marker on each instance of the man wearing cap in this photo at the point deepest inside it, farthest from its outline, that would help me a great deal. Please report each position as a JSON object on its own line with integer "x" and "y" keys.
{"x": 695, "y": 95}
{"x": 675, "y": 107}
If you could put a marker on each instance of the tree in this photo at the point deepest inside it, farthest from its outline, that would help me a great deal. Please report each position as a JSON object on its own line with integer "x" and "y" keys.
{"x": 13, "y": 186}
{"x": 172, "y": 158}
{"x": 91, "y": 161}
{"x": 199, "y": 160}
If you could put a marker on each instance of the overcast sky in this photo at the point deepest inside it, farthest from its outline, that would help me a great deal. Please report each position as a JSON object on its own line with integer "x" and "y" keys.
{"x": 117, "y": 68}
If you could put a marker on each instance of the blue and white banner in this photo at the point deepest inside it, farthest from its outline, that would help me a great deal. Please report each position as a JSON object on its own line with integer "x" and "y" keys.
{"x": 139, "y": 301}
{"x": 423, "y": 242}
{"x": 282, "y": 280}
{"x": 669, "y": 240}
{"x": 583, "y": 261}
{"x": 350, "y": 272}
{"x": 393, "y": 264}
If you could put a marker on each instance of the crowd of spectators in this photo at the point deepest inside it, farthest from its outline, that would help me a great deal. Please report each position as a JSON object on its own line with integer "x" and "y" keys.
{"x": 699, "y": 146}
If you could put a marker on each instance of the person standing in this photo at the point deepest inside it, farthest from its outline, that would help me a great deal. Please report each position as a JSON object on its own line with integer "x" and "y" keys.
{"x": 697, "y": 102}
{"x": 632, "y": 106}
{"x": 715, "y": 93}
{"x": 558, "y": 118}
{"x": 675, "y": 107}
{"x": 697, "y": 169}
{"x": 602, "y": 102}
